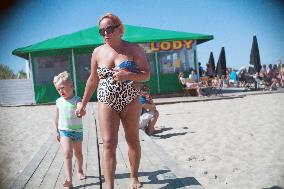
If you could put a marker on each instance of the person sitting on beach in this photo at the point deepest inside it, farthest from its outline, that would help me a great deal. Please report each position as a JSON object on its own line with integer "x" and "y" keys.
{"x": 233, "y": 78}
{"x": 182, "y": 79}
{"x": 193, "y": 82}
{"x": 263, "y": 73}
{"x": 217, "y": 85}
{"x": 257, "y": 80}
{"x": 209, "y": 71}
{"x": 271, "y": 77}
{"x": 226, "y": 78}
{"x": 149, "y": 114}
{"x": 281, "y": 75}
{"x": 216, "y": 82}
{"x": 69, "y": 127}
{"x": 190, "y": 82}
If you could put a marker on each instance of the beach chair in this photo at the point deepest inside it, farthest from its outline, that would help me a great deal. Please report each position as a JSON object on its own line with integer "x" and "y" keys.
{"x": 188, "y": 91}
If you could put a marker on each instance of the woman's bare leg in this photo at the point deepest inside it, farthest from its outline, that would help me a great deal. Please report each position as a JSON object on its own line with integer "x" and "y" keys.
{"x": 109, "y": 124}
{"x": 130, "y": 120}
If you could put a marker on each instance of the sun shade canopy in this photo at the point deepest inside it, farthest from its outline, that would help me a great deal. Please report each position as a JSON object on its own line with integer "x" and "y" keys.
{"x": 90, "y": 38}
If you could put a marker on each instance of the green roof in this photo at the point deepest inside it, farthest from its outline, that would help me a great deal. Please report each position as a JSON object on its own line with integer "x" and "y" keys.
{"x": 90, "y": 38}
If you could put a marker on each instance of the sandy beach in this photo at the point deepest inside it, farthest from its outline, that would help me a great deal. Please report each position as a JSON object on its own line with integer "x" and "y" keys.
{"x": 23, "y": 131}
{"x": 236, "y": 143}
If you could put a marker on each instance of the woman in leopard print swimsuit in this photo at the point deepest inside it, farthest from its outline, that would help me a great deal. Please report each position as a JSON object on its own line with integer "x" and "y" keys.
{"x": 117, "y": 95}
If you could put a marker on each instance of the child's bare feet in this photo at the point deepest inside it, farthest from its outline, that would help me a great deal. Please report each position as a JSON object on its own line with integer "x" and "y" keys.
{"x": 81, "y": 175}
{"x": 135, "y": 183}
{"x": 68, "y": 184}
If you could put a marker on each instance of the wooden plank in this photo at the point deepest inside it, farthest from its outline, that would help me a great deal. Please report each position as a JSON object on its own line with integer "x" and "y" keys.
{"x": 159, "y": 175}
{"x": 184, "y": 176}
{"x": 75, "y": 180}
{"x": 163, "y": 175}
{"x": 91, "y": 169}
{"x": 157, "y": 168}
{"x": 42, "y": 169}
{"x": 147, "y": 173}
{"x": 51, "y": 177}
{"x": 122, "y": 175}
{"x": 61, "y": 177}
{"x": 100, "y": 151}
{"x": 29, "y": 170}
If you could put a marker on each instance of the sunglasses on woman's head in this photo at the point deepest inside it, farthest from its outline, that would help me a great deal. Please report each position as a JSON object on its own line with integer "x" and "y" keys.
{"x": 108, "y": 30}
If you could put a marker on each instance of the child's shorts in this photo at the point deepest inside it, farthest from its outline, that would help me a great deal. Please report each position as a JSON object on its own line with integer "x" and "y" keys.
{"x": 75, "y": 136}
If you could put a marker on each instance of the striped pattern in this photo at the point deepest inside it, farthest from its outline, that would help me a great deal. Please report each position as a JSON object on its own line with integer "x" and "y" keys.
{"x": 67, "y": 118}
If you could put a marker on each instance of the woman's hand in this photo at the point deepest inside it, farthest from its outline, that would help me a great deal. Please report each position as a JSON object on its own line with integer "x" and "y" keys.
{"x": 80, "y": 111}
{"x": 121, "y": 75}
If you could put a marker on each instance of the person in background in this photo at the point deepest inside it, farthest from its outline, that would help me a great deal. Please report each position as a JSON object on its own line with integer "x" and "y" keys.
{"x": 69, "y": 127}
{"x": 281, "y": 75}
{"x": 263, "y": 72}
{"x": 200, "y": 69}
{"x": 182, "y": 79}
{"x": 209, "y": 71}
{"x": 149, "y": 114}
{"x": 194, "y": 83}
{"x": 193, "y": 78}
{"x": 233, "y": 77}
{"x": 271, "y": 76}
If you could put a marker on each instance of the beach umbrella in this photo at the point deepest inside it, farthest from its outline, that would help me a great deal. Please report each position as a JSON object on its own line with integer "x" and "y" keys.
{"x": 221, "y": 64}
{"x": 211, "y": 61}
{"x": 254, "y": 55}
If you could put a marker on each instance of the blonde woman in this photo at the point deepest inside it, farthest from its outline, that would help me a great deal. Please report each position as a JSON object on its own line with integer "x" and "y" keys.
{"x": 113, "y": 65}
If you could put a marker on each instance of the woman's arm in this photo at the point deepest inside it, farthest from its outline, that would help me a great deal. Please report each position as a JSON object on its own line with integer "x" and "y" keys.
{"x": 92, "y": 81}
{"x": 139, "y": 57}
{"x": 91, "y": 85}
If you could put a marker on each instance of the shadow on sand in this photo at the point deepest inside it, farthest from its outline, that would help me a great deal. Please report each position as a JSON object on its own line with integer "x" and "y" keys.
{"x": 163, "y": 177}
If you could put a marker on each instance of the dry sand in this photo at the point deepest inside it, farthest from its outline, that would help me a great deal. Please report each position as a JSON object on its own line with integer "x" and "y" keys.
{"x": 23, "y": 130}
{"x": 236, "y": 143}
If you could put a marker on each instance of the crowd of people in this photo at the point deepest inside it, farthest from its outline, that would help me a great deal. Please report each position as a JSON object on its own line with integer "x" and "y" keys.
{"x": 269, "y": 78}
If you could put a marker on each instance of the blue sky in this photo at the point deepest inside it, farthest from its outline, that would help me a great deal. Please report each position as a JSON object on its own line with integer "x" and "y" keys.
{"x": 232, "y": 22}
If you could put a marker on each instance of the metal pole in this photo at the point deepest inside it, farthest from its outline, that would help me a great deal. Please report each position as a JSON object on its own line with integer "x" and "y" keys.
{"x": 157, "y": 72}
{"x": 74, "y": 72}
{"x": 98, "y": 148}
{"x": 32, "y": 76}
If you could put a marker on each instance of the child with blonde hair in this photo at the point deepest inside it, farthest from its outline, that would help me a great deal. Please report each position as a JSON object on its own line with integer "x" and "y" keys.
{"x": 69, "y": 127}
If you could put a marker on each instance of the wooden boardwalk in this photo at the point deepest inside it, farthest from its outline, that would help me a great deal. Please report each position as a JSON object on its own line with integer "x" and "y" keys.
{"x": 157, "y": 169}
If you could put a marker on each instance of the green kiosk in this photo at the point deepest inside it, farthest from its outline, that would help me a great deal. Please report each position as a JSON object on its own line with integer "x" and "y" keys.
{"x": 168, "y": 52}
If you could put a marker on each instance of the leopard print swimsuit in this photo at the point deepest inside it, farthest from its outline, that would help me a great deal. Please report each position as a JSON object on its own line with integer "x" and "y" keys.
{"x": 113, "y": 93}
